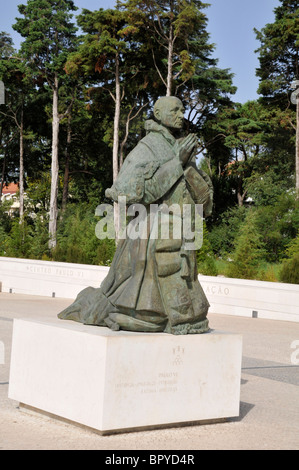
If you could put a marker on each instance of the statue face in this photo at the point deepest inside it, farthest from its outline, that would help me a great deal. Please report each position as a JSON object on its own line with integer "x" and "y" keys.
{"x": 170, "y": 113}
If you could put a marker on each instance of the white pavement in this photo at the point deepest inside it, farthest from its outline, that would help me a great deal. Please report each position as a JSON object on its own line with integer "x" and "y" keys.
{"x": 269, "y": 411}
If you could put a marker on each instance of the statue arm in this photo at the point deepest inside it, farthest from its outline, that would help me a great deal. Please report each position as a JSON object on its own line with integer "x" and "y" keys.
{"x": 143, "y": 177}
{"x": 162, "y": 181}
{"x": 200, "y": 187}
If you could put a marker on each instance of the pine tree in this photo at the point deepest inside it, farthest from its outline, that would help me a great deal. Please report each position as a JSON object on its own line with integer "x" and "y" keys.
{"x": 205, "y": 256}
{"x": 279, "y": 63}
{"x": 18, "y": 90}
{"x": 6, "y": 136}
{"x": 248, "y": 251}
{"x": 175, "y": 32}
{"x": 290, "y": 268}
{"x": 110, "y": 57}
{"x": 49, "y": 37}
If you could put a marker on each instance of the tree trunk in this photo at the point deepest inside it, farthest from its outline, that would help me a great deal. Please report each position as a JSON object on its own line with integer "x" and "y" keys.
{"x": 65, "y": 192}
{"x": 297, "y": 147}
{"x": 54, "y": 168}
{"x": 170, "y": 64}
{"x": 240, "y": 194}
{"x": 116, "y": 120}
{"x": 124, "y": 141}
{"x": 116, "y": 140}
{"x": 21, "y": 178}
{"x": 3, "y": 174}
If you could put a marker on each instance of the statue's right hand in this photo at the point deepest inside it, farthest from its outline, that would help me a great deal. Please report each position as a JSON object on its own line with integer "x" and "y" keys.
{"x": 186, "y": 148}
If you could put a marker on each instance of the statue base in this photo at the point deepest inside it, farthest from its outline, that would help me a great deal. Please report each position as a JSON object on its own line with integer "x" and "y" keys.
{"x": 119, "y": 381}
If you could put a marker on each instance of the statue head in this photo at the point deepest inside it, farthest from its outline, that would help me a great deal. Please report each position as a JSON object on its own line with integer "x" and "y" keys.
{"x": 169, "y": 111}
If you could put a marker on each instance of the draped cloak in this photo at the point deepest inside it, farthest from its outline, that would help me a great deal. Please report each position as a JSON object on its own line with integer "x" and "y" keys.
{"x": 152, "y": 283}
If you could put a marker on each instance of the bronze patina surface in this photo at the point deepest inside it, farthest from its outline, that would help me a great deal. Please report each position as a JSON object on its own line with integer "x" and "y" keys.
{"x": 152, "y": 284}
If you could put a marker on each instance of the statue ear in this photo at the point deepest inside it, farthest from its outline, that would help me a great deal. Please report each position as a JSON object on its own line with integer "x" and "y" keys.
{"x": 157, "y": 114}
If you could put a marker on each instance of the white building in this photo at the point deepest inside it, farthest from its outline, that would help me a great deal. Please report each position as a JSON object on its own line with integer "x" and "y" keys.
{"x": 9, "y": 193}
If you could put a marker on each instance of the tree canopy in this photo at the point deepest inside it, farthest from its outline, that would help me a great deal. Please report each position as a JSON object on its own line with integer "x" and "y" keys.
{"x": 77, "y": 93}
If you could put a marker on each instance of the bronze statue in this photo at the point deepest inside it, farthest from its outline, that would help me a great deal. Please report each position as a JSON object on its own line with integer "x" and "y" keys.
{"x": 152, "y": 283}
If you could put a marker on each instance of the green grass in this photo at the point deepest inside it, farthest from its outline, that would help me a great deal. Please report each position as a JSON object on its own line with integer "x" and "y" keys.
{"x": 267, "y": 271}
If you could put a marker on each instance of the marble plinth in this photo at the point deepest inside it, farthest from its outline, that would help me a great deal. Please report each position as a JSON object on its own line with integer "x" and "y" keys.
{"x": 112, "y": 381}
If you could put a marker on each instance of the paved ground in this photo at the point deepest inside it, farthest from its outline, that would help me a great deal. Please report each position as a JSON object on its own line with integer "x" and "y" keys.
{"x": 269, "y": 409}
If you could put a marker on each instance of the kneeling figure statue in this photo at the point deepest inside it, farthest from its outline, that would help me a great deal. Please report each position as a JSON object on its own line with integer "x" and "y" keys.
{"x": 152, "y": 284}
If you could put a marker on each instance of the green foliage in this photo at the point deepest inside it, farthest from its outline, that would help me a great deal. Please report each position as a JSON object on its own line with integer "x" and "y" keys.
{"x": 277, "y": 224}
{"x": 268, "y": 272}
{"x": 278, "y": 52}
{"x": 248, "y": 148}
{"x": 105, "y": 252}
{"x": 290, "y": 269}
{"x": 223, "y": 235}
{"x": 77, "y": 242}
{"x": 39, "y": 239}
{"x": 2, "y": 241}
{"x": 6, "y": 45}
{"x": 244, "y": 127}
{"x": 17, "y": 245}
{"x": 47, "y": 46}
{"x": 5, "y": 219}
{"x": 5, "y": 225}
{"x": 76, "y": 239}
{"x": 293, "y": 247}
{"x": 38, "y": 193}
{"x": 249, "y": 250}
{"x": 205, "y": 256}
{"x": 265, "y": 189}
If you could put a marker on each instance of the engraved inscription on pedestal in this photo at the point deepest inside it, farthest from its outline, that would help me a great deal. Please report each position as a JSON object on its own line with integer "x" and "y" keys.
{"x": 163, "y": 382}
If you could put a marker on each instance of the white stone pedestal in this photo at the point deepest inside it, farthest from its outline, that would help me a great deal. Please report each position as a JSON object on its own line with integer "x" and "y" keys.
{"x": 113, "y": 381}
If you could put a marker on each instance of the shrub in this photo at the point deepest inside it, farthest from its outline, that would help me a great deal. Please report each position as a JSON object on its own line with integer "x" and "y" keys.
{"x": 290, "y": 270}
{"x": 105, "y": 252}
{"x": 18, "y": 243}
{"x": 248, "y": 252}
{"x": 205, "y": 256}
{"x": 222, "y": 236}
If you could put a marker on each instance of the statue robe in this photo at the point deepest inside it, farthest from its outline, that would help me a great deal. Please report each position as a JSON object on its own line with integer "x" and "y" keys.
{"x": 152, "y": 283}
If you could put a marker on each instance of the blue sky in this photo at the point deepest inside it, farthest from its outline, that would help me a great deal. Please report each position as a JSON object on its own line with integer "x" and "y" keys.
{"x": 231, "y": 24}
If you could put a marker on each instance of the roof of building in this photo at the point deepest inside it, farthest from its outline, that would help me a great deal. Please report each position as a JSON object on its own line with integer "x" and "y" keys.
{"x": 11, "y": 188}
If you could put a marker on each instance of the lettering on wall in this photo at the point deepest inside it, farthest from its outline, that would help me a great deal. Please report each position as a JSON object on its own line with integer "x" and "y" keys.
{"x": 64, "y": 272}
{"x": 217, "y": 290}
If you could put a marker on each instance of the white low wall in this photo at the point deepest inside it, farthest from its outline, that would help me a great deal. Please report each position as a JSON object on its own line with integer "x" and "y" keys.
{"x": 272, "y": 300}
{"x": 240, "y": 297}
{"x": 48, "y": 278}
